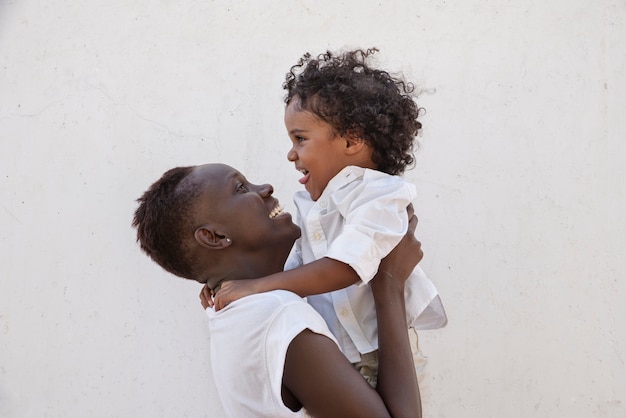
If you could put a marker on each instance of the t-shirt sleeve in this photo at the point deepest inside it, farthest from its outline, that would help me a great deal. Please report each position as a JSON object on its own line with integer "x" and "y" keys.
{"x": 375, "y": 221}
{"x": 285, "y": 326}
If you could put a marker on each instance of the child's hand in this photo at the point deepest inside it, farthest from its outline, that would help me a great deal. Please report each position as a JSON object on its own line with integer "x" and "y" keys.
{"x": 206, "y": 297}
{"x": 232, "y": 290}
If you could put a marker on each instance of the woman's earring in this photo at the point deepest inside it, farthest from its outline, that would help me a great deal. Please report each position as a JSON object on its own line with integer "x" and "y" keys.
{"x": 228, "y": 240}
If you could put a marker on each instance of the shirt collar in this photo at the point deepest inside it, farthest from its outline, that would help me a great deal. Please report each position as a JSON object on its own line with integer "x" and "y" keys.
{"x": 343, "y": 178}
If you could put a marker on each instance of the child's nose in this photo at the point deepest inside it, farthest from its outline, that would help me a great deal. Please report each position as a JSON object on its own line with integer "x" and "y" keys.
{"x": 291, "y": 155}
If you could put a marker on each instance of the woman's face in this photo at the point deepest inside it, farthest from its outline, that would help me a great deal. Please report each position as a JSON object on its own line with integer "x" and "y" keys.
{"x": 246, "y": 213}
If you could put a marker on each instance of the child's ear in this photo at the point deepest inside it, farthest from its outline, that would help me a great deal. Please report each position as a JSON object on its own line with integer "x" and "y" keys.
{"x": 354, "y": 144}
{"x": 209, "y": 238}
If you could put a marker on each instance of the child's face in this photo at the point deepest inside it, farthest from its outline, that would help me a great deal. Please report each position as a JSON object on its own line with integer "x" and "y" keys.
{"x": 316, "y": 150}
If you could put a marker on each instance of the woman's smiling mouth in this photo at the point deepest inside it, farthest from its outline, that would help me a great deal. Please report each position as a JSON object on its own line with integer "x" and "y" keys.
{"x": 278, "y": 210}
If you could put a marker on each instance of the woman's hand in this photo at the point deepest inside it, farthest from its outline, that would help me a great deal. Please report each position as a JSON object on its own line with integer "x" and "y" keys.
{"x": 408, "y": 253}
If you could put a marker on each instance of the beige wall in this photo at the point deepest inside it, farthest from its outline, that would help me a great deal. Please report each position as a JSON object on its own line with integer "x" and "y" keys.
{"x": 520, "y": 179}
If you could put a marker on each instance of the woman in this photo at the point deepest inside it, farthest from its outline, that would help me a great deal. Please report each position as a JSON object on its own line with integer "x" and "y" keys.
{"x": 272, "y": 354}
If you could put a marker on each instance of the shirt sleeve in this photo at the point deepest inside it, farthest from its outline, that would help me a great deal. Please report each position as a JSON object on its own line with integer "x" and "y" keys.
{"x": 295, "y": 256}
{"x": 375, "y": 222}
{"x": 290, "y": 321}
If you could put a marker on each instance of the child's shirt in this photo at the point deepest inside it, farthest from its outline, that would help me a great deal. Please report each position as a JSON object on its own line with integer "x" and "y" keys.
{"x": 359, "y": 218}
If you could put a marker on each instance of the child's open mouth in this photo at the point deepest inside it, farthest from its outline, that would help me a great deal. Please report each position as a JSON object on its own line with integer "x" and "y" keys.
{"x": 304, "y": 179}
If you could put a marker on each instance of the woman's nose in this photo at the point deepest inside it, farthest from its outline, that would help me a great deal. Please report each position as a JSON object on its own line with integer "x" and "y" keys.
{"x": 266, "y": 190}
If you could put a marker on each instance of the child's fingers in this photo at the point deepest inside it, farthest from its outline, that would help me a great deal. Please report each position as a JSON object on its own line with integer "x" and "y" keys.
{"x": 221, "y": 299}
{"x": 203, "y": 300}
{"x": 206, "y": 297}
{"x": 218, "y": 302}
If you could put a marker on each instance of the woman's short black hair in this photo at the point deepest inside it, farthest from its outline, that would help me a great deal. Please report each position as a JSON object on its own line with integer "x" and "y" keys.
{"x": 356, "y": 99}
{"x": 163, "y": 221}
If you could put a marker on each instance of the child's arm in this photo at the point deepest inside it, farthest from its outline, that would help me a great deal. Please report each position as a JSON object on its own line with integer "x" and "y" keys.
{"x": 320, "y": 276}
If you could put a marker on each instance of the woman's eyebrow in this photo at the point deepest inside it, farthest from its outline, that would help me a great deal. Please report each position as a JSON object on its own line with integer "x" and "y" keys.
{"x": 232, "y": 177}
{"x": 236, "y": 177}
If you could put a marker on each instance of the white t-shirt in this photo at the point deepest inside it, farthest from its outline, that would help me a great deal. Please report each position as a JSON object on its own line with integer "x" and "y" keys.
{"x": 249, "y": 341}
{"x": 359, "y": 218}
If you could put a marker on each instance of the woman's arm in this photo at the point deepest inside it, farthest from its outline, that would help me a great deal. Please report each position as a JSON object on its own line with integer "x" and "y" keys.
{"x": 319, "y": 376}
{"x": 397, "y": 382}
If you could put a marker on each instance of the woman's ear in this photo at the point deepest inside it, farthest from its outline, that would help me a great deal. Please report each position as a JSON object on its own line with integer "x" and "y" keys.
{"x": 207, "y": 237}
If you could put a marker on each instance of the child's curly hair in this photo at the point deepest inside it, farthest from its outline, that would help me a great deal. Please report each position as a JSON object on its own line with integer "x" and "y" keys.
{"x": 356, "y": 99}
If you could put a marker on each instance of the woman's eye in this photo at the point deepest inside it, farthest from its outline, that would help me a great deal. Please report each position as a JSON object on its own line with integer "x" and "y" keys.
{"x": 241, "y": 188}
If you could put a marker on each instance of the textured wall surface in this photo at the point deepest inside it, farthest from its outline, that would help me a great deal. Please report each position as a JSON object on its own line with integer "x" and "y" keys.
{"x": 520, "y": 177}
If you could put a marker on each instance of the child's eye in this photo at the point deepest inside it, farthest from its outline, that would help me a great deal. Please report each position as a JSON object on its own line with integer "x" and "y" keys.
{"x": 299, "y": 138}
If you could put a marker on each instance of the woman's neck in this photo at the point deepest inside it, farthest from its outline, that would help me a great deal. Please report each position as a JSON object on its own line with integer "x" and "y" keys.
{"x": 249, "y": 267}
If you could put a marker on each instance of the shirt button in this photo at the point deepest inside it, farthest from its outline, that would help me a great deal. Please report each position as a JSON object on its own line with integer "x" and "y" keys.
{"x": 316, "y": 236}
{"x": 322, "y": 203}
{"x": 343, "y": 312}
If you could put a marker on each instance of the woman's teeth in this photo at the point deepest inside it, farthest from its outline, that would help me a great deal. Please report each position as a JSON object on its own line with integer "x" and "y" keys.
{"x": 276, "y": 211}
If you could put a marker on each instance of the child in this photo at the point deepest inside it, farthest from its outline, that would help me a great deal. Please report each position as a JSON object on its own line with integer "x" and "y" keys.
{"x": 352, "y": 129}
